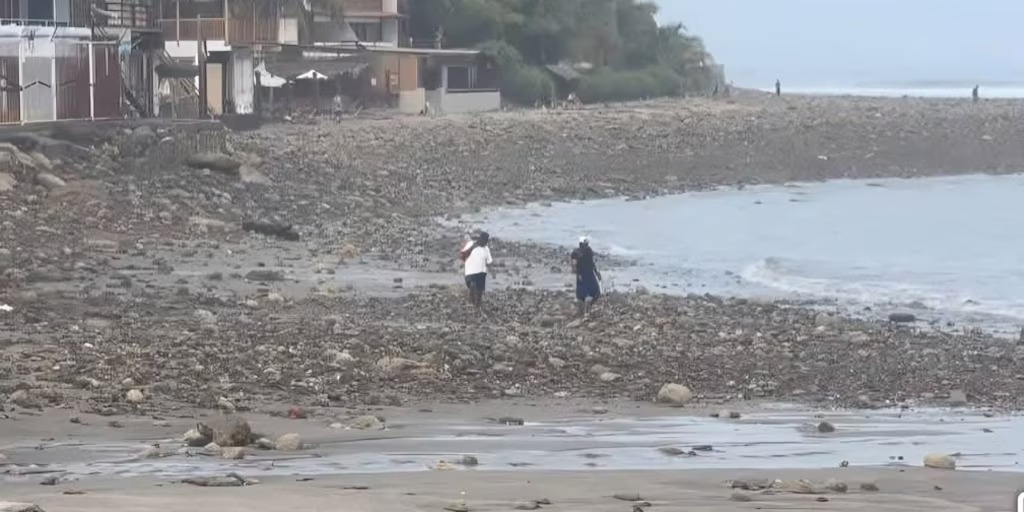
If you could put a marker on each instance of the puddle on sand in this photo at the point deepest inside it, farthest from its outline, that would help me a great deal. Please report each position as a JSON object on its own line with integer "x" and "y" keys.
{"x": 773, "y": 439}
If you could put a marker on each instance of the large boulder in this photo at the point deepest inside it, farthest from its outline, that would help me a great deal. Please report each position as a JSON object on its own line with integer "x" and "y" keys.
{"x": 939, "y": 461}
{"x": 289, "y": 443}
{"x": 7, "y": 182}
{"x": 674, "y": 394}
{"x": 227, "y": 431}
{"x": 215, "y": 162}
{"x": 50, "y": 181}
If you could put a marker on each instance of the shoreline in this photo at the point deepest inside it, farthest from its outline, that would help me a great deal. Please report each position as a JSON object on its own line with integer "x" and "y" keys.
{"x": 126, "y": 279}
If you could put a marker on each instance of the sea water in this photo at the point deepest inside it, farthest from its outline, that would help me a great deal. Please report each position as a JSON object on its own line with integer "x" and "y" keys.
{"x": 948, "y": 249}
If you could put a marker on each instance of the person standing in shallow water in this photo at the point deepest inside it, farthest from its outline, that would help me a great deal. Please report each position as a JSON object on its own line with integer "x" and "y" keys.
{"x": 588, "y": 277}
{"x": 476, "y": 269}
{"x": 974, "y": 94}
{"x": 778, "y": 88}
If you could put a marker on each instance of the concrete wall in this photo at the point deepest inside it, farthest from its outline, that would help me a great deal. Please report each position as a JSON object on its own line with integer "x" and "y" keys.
{"x": 412, "y": 102}
{"x": 465, "y": 102}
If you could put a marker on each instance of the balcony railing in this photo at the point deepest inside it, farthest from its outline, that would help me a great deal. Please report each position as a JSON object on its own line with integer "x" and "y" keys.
{"x": 211, "y": 29}
{"x": 240, "y": 31}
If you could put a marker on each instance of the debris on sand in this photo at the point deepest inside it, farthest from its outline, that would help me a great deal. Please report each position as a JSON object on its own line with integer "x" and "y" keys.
{"x": 939, "y": 461}
{"x": 274, "y": 229}
{"x": 231, "y": 480}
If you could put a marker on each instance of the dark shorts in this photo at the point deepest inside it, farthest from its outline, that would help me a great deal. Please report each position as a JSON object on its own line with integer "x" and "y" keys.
{"x": 477, "y": 281}
{"x": 588, "y": 287}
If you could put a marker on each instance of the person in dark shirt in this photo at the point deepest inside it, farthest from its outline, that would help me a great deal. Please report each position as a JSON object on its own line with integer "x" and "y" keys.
{"x": 588, "y": 277}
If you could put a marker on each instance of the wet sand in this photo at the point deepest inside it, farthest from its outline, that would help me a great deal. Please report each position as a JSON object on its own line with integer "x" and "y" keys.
{"x": 909, "y": 490}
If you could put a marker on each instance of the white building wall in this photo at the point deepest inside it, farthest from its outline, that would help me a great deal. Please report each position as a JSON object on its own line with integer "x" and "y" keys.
{"x": 412, "y": 102}
{"x": 466, "y": 102}
{"x": 243, "y": 78}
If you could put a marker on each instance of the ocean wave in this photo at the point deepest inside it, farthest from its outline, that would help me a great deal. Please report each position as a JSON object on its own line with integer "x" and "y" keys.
{"x": 785, "y": 276}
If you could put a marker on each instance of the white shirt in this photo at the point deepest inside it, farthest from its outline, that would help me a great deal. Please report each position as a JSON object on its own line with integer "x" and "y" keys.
{"x": 478, "y": 260}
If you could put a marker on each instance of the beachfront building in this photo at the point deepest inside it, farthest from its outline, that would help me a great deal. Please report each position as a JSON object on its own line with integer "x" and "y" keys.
{"x": 76, "y": 59}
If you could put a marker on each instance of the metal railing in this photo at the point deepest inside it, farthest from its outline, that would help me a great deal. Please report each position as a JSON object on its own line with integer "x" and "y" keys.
{"x": 29, "y": 22}
{"x": 191, "y": 29}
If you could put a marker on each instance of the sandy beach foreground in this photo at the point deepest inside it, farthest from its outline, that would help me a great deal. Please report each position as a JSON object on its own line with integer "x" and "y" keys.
{"x": 910, "y": 490}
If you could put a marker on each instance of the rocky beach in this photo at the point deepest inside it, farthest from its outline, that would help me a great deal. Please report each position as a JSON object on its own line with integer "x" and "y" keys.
{"x": 304, "y": 264}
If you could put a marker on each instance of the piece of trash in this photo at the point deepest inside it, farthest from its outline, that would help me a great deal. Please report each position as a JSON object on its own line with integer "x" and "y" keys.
{"x": 5, "y": 308}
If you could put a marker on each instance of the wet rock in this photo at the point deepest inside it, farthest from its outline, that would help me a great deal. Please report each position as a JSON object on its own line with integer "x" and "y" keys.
{"x": 939, "y": 461}
{"x": 50, "y": 181}
{"x": 7, "y": 182}
{"x": 836, "y": 486}
{"x": 674, "y": 394}
{"x": 289, "y": 442}
{"x": 826, "y": 427}
{"x": 265, "y": 444}
{"x": 231, "y": 480}
{"x": 526, "y": 505}
{"x": 10, "y": 506}
{"x": 273, "y": 229}
{"x": 195, "y": 439}
{"x": 902, "y": 318}
{"x": 225, "y": 405}
{"x": 751, "y": 485}
{"x": 469, "y": 460}
{"x": 215, "y": 162}
{"x": 134, "y": 396}
{"x": 511, "y": 421}
{"x": 627, "y": 496}
{"x": 233, "y": 453}
{"x": 213, "y": 448}
{"x": 297, "y": 413}
{"x": 726, "y": 414}
{"x": 609, "y": 377}
{"x": 266, "y": 276}
{"x": 740, "y": 497}
{"x": 957, "y": 398}
{"x": 869, "y": 487}
{"x": 227, "y": 431}
{"x": 457, "y": 506}
{"x": 26, "y": 399}
{"x": 150, "y": 453}
{"x": 367, "y": 422}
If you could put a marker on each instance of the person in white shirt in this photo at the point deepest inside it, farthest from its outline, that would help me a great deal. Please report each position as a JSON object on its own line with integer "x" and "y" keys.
{"x": 476, "y": 269}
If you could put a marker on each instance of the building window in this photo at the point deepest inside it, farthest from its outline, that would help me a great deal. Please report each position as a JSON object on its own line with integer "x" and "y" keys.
{"x": 461, "y": 77}
{"x": 367, "y": 32}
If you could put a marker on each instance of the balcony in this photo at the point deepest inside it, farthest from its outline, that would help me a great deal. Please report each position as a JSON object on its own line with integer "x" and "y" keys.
{"x": 371, "y": 8}
{"x": 235, "y": 31}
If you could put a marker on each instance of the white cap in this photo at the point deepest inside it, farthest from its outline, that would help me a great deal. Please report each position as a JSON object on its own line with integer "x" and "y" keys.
{"x": 584, "y": 239}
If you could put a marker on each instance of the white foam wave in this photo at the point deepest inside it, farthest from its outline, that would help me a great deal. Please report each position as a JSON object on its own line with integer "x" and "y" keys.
{"x": 780, "y": 275}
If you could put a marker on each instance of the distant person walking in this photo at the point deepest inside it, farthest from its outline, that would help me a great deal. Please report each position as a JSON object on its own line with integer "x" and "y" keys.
{"x": 588, "y": 277}
{"x": 476, "y": 257}
{"x": 974, "y": 94}
{"x": 778, "y": 87}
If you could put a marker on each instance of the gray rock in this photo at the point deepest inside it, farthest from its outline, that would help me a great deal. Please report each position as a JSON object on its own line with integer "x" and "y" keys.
{"x": 457, "y": 506}
{"x": 134, "y": 397}
{"x": 233, "y": 453}
{"x": 526, "y": 505}
{"x": 902, "y": 318}
{"x": 227, "y": 431}
{"x": 939, "y": 461}
{"x": 265, "y": 444}
{"x": 50, "y": 181}
{"x": 195, "y": 439}
{"x": 610, "y": 377}
{"x": 11, "y": 506}
{"x": 215, "y": 162}
{"x": 957, "y": 397}
{"x": 367, "y": 422}
{"x": 836, "y": 486}
{"x": 740, "y": 497}
{"x": 869, "y": 487}
{"x": 674, "y": 394}
{"x": 289, "y": 442}
{"x": 826, "y": 427}
{"x": 7, "y": 182}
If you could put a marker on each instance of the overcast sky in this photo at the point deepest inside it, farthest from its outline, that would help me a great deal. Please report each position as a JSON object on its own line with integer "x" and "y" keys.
{"x": 856, "y": 42}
